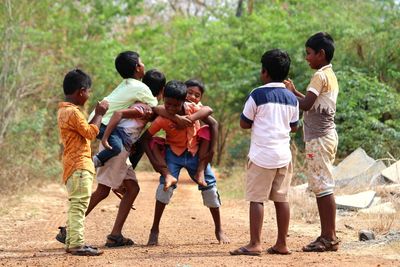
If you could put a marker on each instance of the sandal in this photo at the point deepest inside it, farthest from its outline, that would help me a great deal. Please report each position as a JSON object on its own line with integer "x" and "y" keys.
{"x": 120, "y": 195}
{"x": 62, "y": 234}
{"x": 118, "y": 241}
{"x": 85, "y": 251}
{"x": 322, "y": 244}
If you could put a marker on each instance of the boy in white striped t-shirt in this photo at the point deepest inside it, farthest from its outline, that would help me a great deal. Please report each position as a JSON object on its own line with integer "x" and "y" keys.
{"x": 271, "y": 112}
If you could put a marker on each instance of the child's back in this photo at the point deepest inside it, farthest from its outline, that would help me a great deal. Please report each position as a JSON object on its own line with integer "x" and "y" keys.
{"x": 272, "y": 110}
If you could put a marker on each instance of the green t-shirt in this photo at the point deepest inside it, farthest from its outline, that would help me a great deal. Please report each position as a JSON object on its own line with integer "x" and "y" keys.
{"x": 126, "y": 94}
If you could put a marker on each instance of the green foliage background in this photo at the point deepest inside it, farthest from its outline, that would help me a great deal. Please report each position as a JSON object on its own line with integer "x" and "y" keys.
{"x": 44, "y": 39}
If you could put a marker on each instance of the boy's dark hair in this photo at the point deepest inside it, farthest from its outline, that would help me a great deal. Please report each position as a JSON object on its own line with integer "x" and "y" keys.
{"x": 155, "y": 80}
{"x": 194, "y": 82}
{"x": 175, "y": 89}
{"x": 277, "y": 63}
{"x": 126, "y": 62}
{"x": 322, "y": 40}
{"x": 75, "y": 80}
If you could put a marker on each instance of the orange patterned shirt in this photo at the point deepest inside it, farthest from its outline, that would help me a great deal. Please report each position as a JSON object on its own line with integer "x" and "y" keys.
{"x": 75, "y": 134}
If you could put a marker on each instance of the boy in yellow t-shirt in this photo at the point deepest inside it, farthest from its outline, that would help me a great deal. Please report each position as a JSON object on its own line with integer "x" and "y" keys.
{"x": 319, "y": 105}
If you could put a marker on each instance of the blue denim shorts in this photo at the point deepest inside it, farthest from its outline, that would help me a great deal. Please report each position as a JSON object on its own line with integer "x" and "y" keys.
{"x": 189, "y": 162}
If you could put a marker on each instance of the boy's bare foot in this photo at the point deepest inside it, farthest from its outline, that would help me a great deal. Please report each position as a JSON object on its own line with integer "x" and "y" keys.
{"x": 221, "y": 237}
{"x": 199, "y": 178}
{"x": 169, "y": 181}
{"x": 153, "y": 239}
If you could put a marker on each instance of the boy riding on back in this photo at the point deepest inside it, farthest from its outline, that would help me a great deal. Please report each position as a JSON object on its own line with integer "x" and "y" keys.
{"x": 195, "y": 92}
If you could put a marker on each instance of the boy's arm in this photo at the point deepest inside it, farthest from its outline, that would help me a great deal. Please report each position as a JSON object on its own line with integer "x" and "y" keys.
{"x": 248, "y": 114}
{"x": 181, "y": 121}
{"x": 244, "y": 124}
{"x": 100, "y": 109}
{"x": 213, "y": 124}
{"x": 135, "y": 112}
{"x": 91, "y": 129}
{"x": 201, "y": 114}
{"x": 159, "y": 167}
{"x": 305, "y": 101}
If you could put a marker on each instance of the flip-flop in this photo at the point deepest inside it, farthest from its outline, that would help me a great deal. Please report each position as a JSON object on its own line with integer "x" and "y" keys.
{"x": 244, "y": 251}
{"x": 272, "y": 250}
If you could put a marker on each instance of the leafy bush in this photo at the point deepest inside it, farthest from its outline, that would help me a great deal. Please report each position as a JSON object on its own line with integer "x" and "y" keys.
{"x": 367, "y": 115}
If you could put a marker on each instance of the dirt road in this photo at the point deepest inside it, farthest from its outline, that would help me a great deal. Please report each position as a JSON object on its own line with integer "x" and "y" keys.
{"x": 187, "y": 238}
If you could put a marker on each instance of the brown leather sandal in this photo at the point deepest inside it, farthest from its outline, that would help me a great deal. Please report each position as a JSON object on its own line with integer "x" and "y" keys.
{"x": 322, "y": 244}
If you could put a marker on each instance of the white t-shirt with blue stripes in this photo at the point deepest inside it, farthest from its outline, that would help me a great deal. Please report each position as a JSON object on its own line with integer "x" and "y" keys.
{"x": 271, "y": 109}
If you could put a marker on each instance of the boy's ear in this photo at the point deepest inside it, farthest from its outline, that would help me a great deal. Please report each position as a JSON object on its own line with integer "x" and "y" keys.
{"x": 321, "y": 53}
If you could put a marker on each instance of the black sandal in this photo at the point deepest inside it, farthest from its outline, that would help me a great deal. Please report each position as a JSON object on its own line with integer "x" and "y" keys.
{"x": 118, "y": 241}
{"x": 62, "y": 234}
{"x": 85, "y": 251}
{"x": 322, "y": 244}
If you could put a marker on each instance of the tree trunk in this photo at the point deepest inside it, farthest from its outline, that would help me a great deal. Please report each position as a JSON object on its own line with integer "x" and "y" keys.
{"x": 239, "y": 9}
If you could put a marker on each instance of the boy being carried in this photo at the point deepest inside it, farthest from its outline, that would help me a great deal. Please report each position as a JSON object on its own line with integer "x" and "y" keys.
{"x": 181, "y": 152}
{"x": 78, "y": 167}
{"x": 271, "y": 112}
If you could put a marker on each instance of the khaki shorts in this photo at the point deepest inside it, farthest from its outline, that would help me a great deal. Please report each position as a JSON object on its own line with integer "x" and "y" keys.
{"x": 320, "y": 155}
{"x": 268, "y": 184}
{"x": 115, "y": 170}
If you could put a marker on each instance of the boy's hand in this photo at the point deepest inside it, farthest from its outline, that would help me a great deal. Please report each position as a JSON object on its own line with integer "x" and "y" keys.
{"x": 105, "y": 143}
{"x": 183, "y": 121}
{"x": 147, "y": 112}
{"x": 290, "y": 85}
{"x": 101, "y": 107}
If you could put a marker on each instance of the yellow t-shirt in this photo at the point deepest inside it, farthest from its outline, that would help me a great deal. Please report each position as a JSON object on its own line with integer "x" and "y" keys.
{"x": 319, "y": 120}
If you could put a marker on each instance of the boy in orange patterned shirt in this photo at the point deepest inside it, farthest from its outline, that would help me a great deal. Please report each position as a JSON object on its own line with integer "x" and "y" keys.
{"x": 78, "y": 168}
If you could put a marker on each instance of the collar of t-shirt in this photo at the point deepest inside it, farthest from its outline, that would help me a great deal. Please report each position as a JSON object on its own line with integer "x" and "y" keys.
{"x": 273, "y": 85}
{"x": 326, "y": 66}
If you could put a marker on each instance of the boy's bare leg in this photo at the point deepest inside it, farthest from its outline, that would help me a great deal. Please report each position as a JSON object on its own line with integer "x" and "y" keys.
{"x": 155, "y": 229}
{"x": 256, "y": 215}
{"x": 327, "y": 214}
{"x": 219, "y": 233}
{"x": 282, "y": 221}
{"x": 101, "y": 193}
{"x": 202, "y": 155}
{"x": 132, "y": 190}
{"x": 169, "y": 179}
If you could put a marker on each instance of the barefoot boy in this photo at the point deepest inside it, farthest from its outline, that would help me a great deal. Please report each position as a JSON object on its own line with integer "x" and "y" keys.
{"x": 181, "y": 152}
{"x": 320, "y": 135}
{"x": 271, "y": 112}
{"x": 78, "y": 167}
